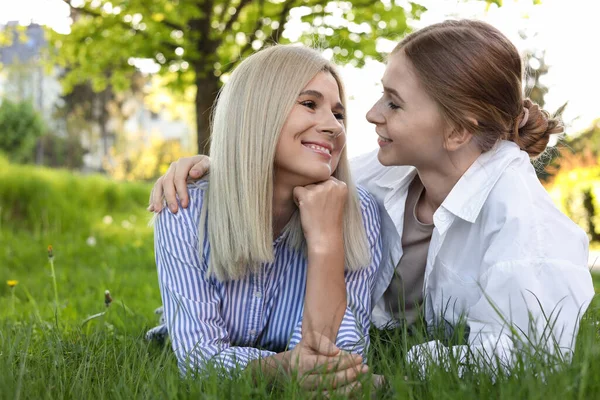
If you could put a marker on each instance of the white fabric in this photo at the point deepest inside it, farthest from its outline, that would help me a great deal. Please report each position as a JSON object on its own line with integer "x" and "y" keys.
{"x": 500, "y": 252}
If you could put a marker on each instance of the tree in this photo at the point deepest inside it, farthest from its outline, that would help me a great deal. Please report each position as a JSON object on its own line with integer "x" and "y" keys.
{"x": 536, "y": 68}
{"x": 195, "y": 42}
{"x": 20, "y": 127}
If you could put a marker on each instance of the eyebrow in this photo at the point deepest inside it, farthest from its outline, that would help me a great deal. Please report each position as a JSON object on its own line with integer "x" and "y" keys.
{"x": 394, "y": 92}
{"x": 320, "y": 96}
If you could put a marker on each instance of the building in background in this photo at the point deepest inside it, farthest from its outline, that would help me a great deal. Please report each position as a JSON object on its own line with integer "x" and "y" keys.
{"x": 111, "y": 120}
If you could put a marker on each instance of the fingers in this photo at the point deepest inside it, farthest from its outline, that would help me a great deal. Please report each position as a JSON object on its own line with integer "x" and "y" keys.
{"x": 378, "y": 381}
{"x": 344, "y": 391}
{"x": 189, "y": 169}
{"x": 333, "y": 380}
{"x": 173, "y": 183}
{"x": 342, "y": 362}
{"x": 322, "y": 364}
{"x": 156, "y": 196}
{"x": 200, "y": 168}
{"x": 299, "y": 193}
{"x": 169, "y": 188}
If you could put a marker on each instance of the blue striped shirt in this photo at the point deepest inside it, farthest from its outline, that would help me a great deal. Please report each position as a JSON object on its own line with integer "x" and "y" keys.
{"x": 234, "y": 322}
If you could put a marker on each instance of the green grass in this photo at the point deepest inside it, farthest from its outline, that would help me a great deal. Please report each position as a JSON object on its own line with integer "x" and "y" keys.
{"x": 46, "y": 353}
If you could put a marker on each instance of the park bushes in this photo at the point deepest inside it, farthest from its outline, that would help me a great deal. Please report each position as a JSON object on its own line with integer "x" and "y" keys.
{"x": 577, "y": 193}
{"x": 34, "y": 198}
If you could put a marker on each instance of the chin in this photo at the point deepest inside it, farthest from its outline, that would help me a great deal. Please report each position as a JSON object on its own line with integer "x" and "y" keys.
{"x": 383, "y": 160}
{"x": 316, "y": 175}
{"x": 389, "y": 160}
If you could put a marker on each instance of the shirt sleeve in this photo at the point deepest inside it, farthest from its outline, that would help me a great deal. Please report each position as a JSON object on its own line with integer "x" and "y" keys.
{"x": 526, "y": 305}
{"x": 191, "y": 300}
{"x": 353, "y": 334}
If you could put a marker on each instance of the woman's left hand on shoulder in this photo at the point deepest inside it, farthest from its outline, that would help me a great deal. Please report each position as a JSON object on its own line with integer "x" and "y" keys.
{"x": 322, "y": 208}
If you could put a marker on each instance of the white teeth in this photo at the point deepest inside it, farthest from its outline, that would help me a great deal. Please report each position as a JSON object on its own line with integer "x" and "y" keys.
{"x": 320, "y": 148}
{"x": 384, "y": 139}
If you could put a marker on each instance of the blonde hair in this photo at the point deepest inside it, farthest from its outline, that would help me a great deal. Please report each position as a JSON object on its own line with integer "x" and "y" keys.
{"x": 249, "y": 115}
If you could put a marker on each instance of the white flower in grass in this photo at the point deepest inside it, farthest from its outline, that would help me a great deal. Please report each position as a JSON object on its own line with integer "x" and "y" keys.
{"x": 126, "y": 224}
{"x": 91, "y": 241}
{"x": 107, "y": 219}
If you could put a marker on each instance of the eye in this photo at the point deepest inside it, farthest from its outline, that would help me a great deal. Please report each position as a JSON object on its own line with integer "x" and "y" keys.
{"x": 393, "y": 106}
{"x": 339, "y": 116}
{"x": 309, "y": 104}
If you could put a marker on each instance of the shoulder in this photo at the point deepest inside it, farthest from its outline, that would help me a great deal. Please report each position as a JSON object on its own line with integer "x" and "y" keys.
{"x": 185, "y": 218}
{"x": 370, "y": 212}
{"x": 518, "y": 193}
{"x": 367, "y": 201}
{"x": 520, "y": 211}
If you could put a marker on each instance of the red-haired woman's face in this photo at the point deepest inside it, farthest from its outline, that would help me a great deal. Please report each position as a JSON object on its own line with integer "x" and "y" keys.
{"x": 408, "y": 121}
{"x": 313, "y": 136}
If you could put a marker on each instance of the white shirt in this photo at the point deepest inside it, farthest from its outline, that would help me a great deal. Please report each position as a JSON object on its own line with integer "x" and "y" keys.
{"x": 500, "y": 249}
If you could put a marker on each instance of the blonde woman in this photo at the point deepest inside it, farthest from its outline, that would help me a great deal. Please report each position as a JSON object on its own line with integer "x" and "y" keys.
{"x": 470, "y": 235}
{"x": 272, "y": 262}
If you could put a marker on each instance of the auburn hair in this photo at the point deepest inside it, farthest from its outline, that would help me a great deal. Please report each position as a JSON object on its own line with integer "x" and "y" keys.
{"x": 475, "y": 75}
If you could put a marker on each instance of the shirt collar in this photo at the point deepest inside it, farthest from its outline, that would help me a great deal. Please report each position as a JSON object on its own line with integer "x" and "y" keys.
{"x": 467, "y": 197}
{"x": 396, "y": 177}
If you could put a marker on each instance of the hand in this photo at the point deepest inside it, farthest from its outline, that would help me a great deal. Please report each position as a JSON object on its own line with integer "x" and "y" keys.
{"x": 319, "y": 364}
{"x": 352, "y": 390}
{"x": 174, "y": 181}
{"x": 322, "y": 208}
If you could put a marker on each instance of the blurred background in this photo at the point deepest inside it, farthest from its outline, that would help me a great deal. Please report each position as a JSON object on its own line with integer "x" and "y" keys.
{"x": 97, "y": 97}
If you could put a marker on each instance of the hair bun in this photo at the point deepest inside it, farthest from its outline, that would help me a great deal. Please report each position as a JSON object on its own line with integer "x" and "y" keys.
{"x": 533, "y": 128}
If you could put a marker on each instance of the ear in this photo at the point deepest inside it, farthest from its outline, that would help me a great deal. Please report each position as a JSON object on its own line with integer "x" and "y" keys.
{"x": 457, "y": 138}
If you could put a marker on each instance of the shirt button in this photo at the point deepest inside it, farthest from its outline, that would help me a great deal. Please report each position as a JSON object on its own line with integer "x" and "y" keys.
{"x": 257, "y": 294}
{"x": 252, "y": 332}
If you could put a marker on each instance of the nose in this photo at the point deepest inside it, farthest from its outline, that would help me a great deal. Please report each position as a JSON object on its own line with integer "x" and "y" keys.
{"x": 331, "y": 126}
{"x": 374, "y": 116}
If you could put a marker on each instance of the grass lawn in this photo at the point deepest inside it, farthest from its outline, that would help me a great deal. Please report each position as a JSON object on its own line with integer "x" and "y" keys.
{"x": 100, "y": 240}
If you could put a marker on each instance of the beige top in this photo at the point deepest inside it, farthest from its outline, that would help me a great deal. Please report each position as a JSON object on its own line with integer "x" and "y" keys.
{"x": 404, "y": 295}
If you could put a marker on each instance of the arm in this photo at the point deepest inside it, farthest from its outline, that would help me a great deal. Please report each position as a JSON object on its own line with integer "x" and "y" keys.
{"x": 325, "y": 298}
{"x": 191, "y": 302}
{"x": 353, "y": 333}
{"x": 527, "y": 305}
{"x": 322, "y": 213}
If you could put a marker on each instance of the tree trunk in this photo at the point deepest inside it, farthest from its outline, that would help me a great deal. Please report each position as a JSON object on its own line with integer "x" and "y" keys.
{"x": 207, "y": 89}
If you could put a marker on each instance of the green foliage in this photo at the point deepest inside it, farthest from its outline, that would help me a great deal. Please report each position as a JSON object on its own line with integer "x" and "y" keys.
{"x": 195, "y": 43}
{"x": 146, "y": 162}
{"x": 588, "y": 140}
{"x": 577, "y": 192}
{"x": 61, "y": 152}
{"x": 46, "y": 201}
{"x": 574, "y": 179}
{"x": 20, "y": 126}
{"x": 209, "y": 36}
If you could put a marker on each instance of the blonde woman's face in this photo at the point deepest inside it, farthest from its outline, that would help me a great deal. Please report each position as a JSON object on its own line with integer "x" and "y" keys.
{"x": 313, "y": 136}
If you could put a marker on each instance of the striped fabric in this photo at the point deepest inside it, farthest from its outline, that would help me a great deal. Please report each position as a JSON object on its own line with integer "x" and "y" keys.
{"x": 228, "y": 324}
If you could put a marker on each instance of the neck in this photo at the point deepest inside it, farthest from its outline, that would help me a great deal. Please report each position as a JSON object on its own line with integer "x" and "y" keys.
{"x": 440, "y": 179}
{"x": 283, "y": 206}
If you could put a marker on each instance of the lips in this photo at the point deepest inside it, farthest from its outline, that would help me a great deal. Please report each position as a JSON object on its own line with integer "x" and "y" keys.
{"x": 383, "y": 138}
{"x": 319, "y": 147}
